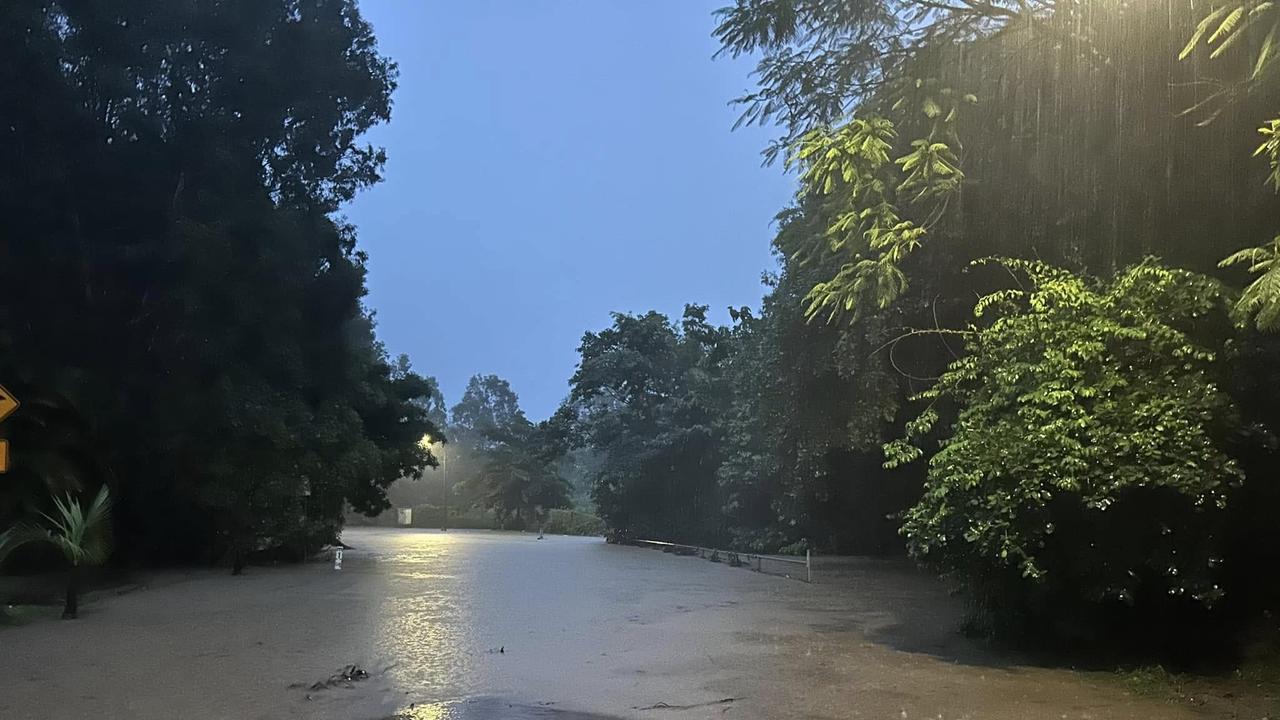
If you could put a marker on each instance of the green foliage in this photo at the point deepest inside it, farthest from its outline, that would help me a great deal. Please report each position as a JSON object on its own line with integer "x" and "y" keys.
{"x": 1271, "y": 148}
{"x": 1087, "y": 450}
{"x": 1260, "y": 301}
{"x": 849, "y": 170}
{"x": 810, "y": 405}
{"x": 1227, "y": 24}
{"x": 572, "y": 522}
{"x": 1076, "y": 151}
{"x": 82, "y": 536}
{"x": 1221, "y": 29}
{"x": 820, "y": 60}
{"x": 511, "y": 466}
{"x": 758, "y": 435}
{"x": 645, "y": 399}
{"x": 1081, "y": 434}
{"x": 519, "y": 481}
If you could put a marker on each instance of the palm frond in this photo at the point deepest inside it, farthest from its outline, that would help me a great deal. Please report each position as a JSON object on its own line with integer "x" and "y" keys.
{"x": 1251, "y": 256}
{"x": 83, "y": 537}
{"x": 19, "y": 535}
{"x": 100, "y": 509}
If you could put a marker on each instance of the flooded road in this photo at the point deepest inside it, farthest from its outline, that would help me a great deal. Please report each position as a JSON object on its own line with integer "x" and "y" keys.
{"x": 464, "y": 625}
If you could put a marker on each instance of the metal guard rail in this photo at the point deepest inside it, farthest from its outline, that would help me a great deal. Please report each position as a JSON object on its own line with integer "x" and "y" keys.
{"x": 732, "y": 556}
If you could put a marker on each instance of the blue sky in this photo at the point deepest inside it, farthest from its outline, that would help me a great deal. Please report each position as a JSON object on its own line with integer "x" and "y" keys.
{"x": 551, "y": 162}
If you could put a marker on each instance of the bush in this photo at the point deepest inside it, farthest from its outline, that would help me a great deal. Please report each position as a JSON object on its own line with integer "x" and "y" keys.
{"x": 573, "y": 522}
{"x": 1084, "y": 472}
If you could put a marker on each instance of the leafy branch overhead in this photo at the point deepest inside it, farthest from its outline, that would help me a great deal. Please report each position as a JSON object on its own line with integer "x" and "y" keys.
{"x": 1219, "y": 31}
{"x": 822, "y": 61}
{"x": 881, "y": 210}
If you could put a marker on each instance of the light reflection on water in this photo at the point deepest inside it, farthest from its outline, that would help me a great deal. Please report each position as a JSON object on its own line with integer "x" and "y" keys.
{"x": 424, "y": 576}
{"x": 432, "y": 711}
{"x": 423, "y": 627}
{"x": 450, "y": 618}
{"x": 490, "y": 708}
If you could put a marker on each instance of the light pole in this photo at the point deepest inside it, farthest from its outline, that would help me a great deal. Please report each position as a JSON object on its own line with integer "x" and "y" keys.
{"x": 426, "y": 442}
{"x": 444, "y": 483}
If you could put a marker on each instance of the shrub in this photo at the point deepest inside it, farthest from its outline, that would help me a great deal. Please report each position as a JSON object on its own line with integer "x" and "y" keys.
{"x": 1084, "y": 467}
{"x": 573, "y": 522}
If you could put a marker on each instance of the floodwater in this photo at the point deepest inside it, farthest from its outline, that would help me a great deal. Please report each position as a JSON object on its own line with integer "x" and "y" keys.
{"x": 472, "y": 625}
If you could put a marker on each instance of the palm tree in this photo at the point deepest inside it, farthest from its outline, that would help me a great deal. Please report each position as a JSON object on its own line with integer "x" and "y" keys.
{"x": 83, "y": 537}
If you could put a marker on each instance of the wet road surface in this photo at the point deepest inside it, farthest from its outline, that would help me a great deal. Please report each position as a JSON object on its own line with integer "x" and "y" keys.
{"x": 471, "y": 625}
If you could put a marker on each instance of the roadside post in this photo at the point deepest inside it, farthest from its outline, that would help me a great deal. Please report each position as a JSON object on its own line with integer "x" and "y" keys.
{"x": 808, "y": 567}
{"x": 337, "y": 558}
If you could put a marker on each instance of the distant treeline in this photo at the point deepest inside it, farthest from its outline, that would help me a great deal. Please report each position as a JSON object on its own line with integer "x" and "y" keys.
{"x": 557, "y": 521}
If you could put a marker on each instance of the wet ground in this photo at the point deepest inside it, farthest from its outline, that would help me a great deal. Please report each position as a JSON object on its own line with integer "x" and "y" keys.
{"x": 475, "y": 625}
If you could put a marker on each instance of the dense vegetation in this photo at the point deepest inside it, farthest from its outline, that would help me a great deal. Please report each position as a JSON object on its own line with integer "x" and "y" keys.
{"x": 1021, "y": 325}
{"x": 999, "y": 337}
{"x": 182, "y": 310}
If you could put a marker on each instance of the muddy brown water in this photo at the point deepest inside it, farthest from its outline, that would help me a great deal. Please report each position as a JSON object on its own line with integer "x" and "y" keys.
{"x": 471, "y": 625}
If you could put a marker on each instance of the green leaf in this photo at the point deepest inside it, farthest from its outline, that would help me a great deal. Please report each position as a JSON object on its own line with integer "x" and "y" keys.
{"x": 1201, "y": 28}
{"x": 1264, "y": 53}
{"x": 1228, "y": 24}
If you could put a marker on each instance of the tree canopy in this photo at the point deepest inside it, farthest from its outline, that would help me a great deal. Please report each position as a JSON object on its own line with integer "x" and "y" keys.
{"x": 181, "y": 297}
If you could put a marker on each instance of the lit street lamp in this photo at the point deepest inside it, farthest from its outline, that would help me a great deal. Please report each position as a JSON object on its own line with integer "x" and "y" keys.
{"x": 426, "y": 442}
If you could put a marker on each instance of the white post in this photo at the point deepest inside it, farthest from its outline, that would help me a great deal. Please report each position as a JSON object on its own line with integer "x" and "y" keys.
{"x": 337, "y": 559}
{"x": 808, "y": 568}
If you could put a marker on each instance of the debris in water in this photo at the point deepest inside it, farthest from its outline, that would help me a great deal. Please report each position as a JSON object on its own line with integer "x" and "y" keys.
{"x": 667, "y": 706}
{"x": 347, "y": 675}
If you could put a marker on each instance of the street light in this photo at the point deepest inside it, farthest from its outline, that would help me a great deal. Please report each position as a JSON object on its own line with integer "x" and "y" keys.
{"x": 426, "y": 443}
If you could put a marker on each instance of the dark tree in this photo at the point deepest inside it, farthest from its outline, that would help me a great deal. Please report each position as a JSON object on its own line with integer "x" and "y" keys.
{"x": 174, "y": 274}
